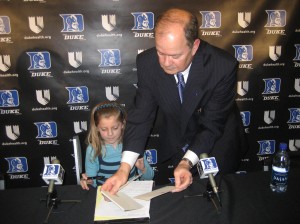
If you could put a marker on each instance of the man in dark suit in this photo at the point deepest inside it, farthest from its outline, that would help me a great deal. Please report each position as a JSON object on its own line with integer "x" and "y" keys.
{"x": 205, "y": 119}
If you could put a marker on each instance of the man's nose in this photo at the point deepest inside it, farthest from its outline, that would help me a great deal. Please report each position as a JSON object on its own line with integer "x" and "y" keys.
{"x": 167, "y": 60}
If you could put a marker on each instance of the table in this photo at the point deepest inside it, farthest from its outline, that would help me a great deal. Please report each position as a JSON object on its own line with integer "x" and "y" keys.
{"x": 246, "y": 198}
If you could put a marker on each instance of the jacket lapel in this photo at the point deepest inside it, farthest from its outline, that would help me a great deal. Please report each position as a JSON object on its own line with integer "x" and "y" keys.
{"x": 169, "y": 91}
{"x": 193, "y": 92}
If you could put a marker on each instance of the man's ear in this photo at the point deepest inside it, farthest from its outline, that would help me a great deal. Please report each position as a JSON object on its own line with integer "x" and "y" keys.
{"x": 195, "y": 46}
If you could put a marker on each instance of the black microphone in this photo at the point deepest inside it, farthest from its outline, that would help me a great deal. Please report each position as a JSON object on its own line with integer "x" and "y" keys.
{"x": 53, "y": 174}
{"x": 210, "y": 168}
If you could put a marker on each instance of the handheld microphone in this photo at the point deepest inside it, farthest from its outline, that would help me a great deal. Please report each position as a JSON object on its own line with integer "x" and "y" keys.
{"x": 209, "y": 168}
{"x": 53, "y": 174}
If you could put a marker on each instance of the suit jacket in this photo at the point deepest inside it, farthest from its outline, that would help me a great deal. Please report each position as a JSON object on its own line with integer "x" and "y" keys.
{"x": 208, "y": 120}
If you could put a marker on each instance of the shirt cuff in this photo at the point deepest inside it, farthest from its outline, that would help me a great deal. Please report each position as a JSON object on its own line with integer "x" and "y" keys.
{"x": 129, "y": 157}
{"x": 190, "y": 155}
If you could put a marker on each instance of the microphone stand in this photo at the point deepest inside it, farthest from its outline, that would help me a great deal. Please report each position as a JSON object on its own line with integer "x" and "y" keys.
{"x": 52, "y": 201}
{"x": 212, "y": 188}
{"x": 210, "y": 193}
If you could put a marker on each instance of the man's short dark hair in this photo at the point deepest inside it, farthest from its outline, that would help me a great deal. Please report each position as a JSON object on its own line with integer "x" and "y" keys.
{"x": 190, "y": 26}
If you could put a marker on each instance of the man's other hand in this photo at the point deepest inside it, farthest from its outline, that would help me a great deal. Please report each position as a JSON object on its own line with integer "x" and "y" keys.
{"x": 183, "y": 176}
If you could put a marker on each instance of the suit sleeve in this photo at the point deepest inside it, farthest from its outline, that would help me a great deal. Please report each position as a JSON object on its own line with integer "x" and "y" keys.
{"x": 142, "y": 114}
{"x": 214, "y": 113}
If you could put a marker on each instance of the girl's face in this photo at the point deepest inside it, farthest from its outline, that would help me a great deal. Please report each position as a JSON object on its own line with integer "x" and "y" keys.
{"x": 110, "y": 129}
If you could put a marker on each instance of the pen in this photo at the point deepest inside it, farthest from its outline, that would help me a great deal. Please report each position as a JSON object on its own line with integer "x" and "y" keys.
{"x": 94, "y": 178}
{"x": 131, "y": 180}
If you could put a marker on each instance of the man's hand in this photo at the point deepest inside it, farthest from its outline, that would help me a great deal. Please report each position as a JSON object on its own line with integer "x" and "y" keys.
{"x": 183, "y": 176}
{"x": 113, "y": 184}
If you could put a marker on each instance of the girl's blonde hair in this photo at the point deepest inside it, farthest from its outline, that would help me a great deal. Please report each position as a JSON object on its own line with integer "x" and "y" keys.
{"x": 103, "y": 110}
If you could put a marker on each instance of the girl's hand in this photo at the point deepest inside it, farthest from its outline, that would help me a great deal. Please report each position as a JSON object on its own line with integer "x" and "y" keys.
{"x": 84, "y": 182}
{"x": 140, "y": 165}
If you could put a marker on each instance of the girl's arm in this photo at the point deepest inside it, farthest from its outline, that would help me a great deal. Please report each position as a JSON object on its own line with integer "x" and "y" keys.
{"x": 144, "y": 168}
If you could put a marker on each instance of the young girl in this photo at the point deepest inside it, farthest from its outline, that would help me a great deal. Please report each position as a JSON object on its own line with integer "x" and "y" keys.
{"x": 104, "y": 151}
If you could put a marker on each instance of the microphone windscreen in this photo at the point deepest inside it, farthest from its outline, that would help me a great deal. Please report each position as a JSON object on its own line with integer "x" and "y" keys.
{"x": 208, "y": 165}
{"x": 53, "y": 171}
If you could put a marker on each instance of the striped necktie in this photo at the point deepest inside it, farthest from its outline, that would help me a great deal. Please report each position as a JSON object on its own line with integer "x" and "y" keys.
{"x": 180, "y": 86}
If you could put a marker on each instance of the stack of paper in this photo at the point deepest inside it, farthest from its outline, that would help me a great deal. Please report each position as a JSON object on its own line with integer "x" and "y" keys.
{"x": 123, "y": 206}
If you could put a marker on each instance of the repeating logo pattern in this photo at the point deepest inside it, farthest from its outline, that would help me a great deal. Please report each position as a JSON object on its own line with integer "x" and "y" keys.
{"x": 269, "y": 116}
{"x": 110, "y": 57}
{"x": 112, "y": 93}
{"x": 294, "y": 145}
{"x": 243, "y": 52}
{"x": 5, "y": 25}
{"x": 266, "y": 147}
{"x": 297, "y": 57}
{"x": 43, "y": 96}
{"x": 78, "y": 94}
{"x": 4, "y": 62}
{"x": 80, "y": 126}
{"x": 274, "y": 52}
{"x": 143, "y": 20}
{"x": 39, "y": 60}
{"x": 46, "y": 129}
{"x": 151, "y": 156}
{"x": 246, "y": 115}
{"x": 242, "y": 87}
{"x": 75, "y": 58}
{"x": 17, "y": 164}
{"x": 12, "y": 131}
{"x": 109, "y": 22}
{"x": 36, "y": 24}
{"x": 211, "y": 19}
{"x": 297, "y": 85}
{"x": 276, "y": 18}
{"x": 244, "y": 19}
{"x": 9, "y": 98}
{"x": 294, "y": 115}
{"x": 72, "y": 22}
{"x": 272, "y": 85}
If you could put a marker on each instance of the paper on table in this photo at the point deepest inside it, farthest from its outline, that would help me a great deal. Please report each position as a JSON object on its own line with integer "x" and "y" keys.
{"x": 125, "y": 202}
{"x": 129, "y": 181}
{"x": 105, "y": 210}
{"x": 148, "y": 196}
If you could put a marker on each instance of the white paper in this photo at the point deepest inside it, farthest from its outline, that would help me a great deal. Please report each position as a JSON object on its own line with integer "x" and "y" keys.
{"x": 105, "y": 210}
{"x": 148, "y": 196}
{"x": 122, "y": 200}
